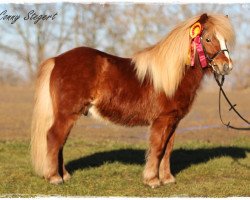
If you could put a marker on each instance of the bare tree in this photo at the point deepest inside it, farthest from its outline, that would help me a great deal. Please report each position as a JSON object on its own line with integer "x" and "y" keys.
{"x": 33, "y": 41}
{"x": 120, "y": 29}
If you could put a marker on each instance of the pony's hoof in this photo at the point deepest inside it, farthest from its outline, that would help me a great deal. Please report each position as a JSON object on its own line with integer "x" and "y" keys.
{"x": 153, "y": 183}
{"x": 66, "y": 176}
{"x": 56, "y": 180}
{"x": 167, "y": 180}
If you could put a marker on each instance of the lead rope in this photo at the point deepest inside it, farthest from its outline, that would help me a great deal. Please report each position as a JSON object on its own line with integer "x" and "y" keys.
{"x": 232, "y": 106}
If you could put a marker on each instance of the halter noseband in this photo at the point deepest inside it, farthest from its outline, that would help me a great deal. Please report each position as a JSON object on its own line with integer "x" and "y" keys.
{"x": 216, "y": 54}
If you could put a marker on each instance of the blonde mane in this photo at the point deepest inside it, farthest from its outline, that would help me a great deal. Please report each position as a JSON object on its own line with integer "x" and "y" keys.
{"x": 165, "y": 62}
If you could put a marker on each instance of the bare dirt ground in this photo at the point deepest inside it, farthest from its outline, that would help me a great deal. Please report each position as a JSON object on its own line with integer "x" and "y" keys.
{"x": 202, "y": 123}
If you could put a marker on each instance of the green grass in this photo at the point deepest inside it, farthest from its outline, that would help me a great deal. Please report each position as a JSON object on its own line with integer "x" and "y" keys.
{"x": 112, "y": 168}
{"x": 107, "y": 160}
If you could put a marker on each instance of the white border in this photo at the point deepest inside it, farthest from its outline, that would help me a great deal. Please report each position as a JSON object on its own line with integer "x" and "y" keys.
{"x": 130, "y": 1}
{"x": 126, "y": 1}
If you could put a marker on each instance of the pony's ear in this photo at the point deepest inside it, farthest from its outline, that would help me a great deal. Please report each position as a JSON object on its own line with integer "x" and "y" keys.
{"x": 203, "y": 18}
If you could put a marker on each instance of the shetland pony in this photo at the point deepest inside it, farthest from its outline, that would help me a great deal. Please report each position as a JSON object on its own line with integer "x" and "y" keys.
{"x": 155, "y": 88}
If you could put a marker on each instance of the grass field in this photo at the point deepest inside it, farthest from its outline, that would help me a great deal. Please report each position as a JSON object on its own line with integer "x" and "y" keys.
{"x": 107, "y": 160}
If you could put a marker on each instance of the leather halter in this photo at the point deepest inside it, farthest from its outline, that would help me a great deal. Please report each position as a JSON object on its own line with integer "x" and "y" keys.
{"x": 211, "y": 59}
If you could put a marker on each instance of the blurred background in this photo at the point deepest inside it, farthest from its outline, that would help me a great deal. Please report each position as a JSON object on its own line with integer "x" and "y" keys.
{"x": 119, "y": 28}
{"x": 105, "y": 159}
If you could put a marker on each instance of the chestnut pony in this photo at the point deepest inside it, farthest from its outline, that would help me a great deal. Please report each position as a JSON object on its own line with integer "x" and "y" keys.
{"x": 155, "y": 88}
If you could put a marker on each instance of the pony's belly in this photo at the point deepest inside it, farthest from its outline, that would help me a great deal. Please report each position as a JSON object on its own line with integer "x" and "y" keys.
{"x": 117, "y": 116}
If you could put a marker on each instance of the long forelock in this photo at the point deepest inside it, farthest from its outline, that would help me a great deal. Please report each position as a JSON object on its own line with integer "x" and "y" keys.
{"x": 220, "y": 24}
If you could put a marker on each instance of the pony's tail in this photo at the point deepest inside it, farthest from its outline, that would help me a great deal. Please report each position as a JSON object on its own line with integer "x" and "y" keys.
{"x": 42, "y": 119}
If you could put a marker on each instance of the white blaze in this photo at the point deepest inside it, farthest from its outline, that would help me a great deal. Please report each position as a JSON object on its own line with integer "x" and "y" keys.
{"x": 223, "y": 46}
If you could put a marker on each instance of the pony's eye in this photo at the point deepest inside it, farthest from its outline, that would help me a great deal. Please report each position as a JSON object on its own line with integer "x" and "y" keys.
{"x": 208, "y": 40}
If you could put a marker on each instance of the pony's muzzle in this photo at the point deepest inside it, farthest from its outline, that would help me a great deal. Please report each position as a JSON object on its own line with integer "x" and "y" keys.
{"x": 223, "y": 68}
{"x": 227, "y": 67}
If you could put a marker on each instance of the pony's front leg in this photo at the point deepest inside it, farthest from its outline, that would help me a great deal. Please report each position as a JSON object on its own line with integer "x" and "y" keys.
{"x": 64, "y": 173}
{"x": 165, "y": 172}
{"x": 160, "y": 133}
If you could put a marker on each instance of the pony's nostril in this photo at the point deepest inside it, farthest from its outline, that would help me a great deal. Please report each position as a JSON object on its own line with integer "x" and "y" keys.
{"x": 225, "y": 67}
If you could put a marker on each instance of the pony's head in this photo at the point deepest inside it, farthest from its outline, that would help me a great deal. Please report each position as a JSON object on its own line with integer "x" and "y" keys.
{"x": 165, "y": 62}
{"x": 216, "y": 33}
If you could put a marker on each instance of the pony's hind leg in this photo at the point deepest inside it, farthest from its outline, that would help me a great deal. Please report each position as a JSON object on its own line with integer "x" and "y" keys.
{"x": 160, "y": 134}
{"x": 56, "y": 138}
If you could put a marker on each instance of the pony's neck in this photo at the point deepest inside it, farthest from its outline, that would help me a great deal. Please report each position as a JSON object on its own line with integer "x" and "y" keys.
{"x": 192, "y": 79}
{"x": 197, "y": 72}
